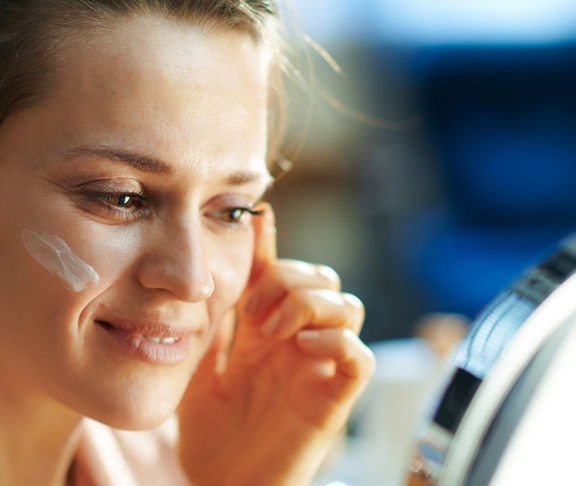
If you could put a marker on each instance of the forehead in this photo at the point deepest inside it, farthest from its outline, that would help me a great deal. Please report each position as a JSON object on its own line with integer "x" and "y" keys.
{"x": 169, "y": 89}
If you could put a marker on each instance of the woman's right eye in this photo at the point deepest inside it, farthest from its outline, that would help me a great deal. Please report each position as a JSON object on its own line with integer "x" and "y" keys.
{"x": 126, "y": 201}
{"x": 128, "y": 206}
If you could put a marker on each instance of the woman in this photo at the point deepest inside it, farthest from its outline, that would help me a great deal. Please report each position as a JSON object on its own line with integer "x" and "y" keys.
{"x": 133, "y": 150}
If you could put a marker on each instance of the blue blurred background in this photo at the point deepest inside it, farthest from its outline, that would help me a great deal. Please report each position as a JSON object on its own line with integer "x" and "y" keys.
{"x": 440, "y": 216}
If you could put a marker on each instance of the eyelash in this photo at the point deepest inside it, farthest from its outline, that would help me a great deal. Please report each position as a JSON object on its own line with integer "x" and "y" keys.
{"x": 244, "y": 210}
{"x": 103, "y": 200}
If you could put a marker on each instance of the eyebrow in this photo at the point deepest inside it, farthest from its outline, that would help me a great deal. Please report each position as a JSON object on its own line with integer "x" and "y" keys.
{"x": 143, "y": 163}
{"x": 242, "y": 177}
{"x": 152, "y": 165}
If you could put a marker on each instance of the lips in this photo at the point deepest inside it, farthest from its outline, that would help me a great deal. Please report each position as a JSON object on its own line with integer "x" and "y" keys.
{"x": 154, "y": 343}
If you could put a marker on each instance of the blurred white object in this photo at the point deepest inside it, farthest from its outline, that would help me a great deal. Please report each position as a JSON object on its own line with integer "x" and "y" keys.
{"x": 433, "y": 22}
{"x": 524, "y": 409}
{"x": 475, "y": 21}
{"x": 544, "y": 438}
{"x": 406, "y": 369}
{"x": 507, "y": 414}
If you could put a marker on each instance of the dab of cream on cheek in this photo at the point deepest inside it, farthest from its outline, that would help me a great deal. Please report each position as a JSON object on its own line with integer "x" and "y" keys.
{"x": 56, "y": 256}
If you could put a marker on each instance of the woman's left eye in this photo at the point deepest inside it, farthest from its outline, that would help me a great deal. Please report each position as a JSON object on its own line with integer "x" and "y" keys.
{"x": 234, "y": 215}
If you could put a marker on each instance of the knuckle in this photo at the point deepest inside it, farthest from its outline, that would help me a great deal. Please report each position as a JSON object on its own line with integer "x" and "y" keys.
{"x": 329, "y": 275}
{"x": 354, "y": 302}
{"x": 370, "y": 361}
{"x": 362, "y": 355}
{"x": 298, "y": 267}
{"x": 366, "y": 359}
{"x": 290, "y": 264}
{"x": 296, "y": 273}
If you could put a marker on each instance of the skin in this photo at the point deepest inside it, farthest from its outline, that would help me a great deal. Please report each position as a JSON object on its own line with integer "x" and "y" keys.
{"x": 196, "y": 106}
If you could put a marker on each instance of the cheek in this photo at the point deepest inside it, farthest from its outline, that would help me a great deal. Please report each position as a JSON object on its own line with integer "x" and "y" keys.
{"x": 56, "y": 256}
{"x": 230, "y": 270}
{"x": 52, "y": 280}
{"x": 111, "y": 251}
{"x": 86, "y": 261}
{"x": 66, "y": 270}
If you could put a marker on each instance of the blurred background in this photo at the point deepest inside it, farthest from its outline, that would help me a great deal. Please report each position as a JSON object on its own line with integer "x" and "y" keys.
{"x": 427, "y": 220}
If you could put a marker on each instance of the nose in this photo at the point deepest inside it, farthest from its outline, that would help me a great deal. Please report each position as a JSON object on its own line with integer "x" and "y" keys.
{"x": 176, "y": 260}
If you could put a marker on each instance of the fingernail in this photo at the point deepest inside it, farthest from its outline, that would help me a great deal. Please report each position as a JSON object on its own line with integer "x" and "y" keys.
{"x": 308, "y": 335}
{"x": 252, "y": 305}
{"x": 271, "y": 324}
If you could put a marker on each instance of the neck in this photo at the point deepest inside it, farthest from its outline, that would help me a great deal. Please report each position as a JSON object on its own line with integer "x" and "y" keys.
{"x": 38, "y": 435}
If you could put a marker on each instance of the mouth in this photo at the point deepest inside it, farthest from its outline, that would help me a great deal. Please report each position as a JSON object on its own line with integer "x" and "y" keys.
{"x": 163, "y": 340}
{"x": 158, "y": 344}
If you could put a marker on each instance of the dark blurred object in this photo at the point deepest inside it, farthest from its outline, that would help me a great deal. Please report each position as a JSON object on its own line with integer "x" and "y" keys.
{"x": 502, "y": 121}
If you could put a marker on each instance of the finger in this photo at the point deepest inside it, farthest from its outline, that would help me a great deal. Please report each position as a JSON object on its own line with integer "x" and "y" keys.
{"x": 264, "y": 259}
{"x": 355, "y": 363}
{"x": 273, "y": 285}
{"x": 313, "y": 308}
{"x": 264, "y": 240}
{"x": 297, "y": 274}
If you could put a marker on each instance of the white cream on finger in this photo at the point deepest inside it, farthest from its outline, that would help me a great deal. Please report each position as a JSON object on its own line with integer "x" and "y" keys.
{"x": 56, "y": 256}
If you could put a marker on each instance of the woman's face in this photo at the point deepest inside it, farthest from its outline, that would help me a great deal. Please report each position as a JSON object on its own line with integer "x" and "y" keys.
{"x": 155, "y": 134}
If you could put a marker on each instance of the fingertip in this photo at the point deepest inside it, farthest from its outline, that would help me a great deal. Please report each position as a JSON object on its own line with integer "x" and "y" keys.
{"x": 349, "y": 334}
{"x": 365, "y": 350}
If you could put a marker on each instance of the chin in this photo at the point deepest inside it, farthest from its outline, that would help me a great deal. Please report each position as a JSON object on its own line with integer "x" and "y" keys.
{"x": 129, "y": 418}
{"x": 134, "y": 407}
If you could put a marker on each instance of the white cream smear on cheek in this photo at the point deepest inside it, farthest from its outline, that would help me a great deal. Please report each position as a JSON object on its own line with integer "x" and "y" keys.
{"x": 56, "y": 256}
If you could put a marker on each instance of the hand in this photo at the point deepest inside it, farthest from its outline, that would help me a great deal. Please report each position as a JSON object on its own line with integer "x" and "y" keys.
{"x": 268, "y": 415}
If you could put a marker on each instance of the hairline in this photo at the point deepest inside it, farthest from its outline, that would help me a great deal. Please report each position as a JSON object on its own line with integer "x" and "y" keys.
{"x": 63, "y": 39}
{"x": 45, "y": 44}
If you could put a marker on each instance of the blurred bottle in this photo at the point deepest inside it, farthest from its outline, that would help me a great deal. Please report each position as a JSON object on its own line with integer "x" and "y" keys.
{"x": 407, "y": 371}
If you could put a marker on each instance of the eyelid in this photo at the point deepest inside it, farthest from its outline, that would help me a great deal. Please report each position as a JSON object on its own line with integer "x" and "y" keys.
{"x": 226, "y": 201}
{"x": 255, "y": 212}
{"x": 217, "y": 218}
{"x": 97, "y": 202}
{"x": 113, "y": 186}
